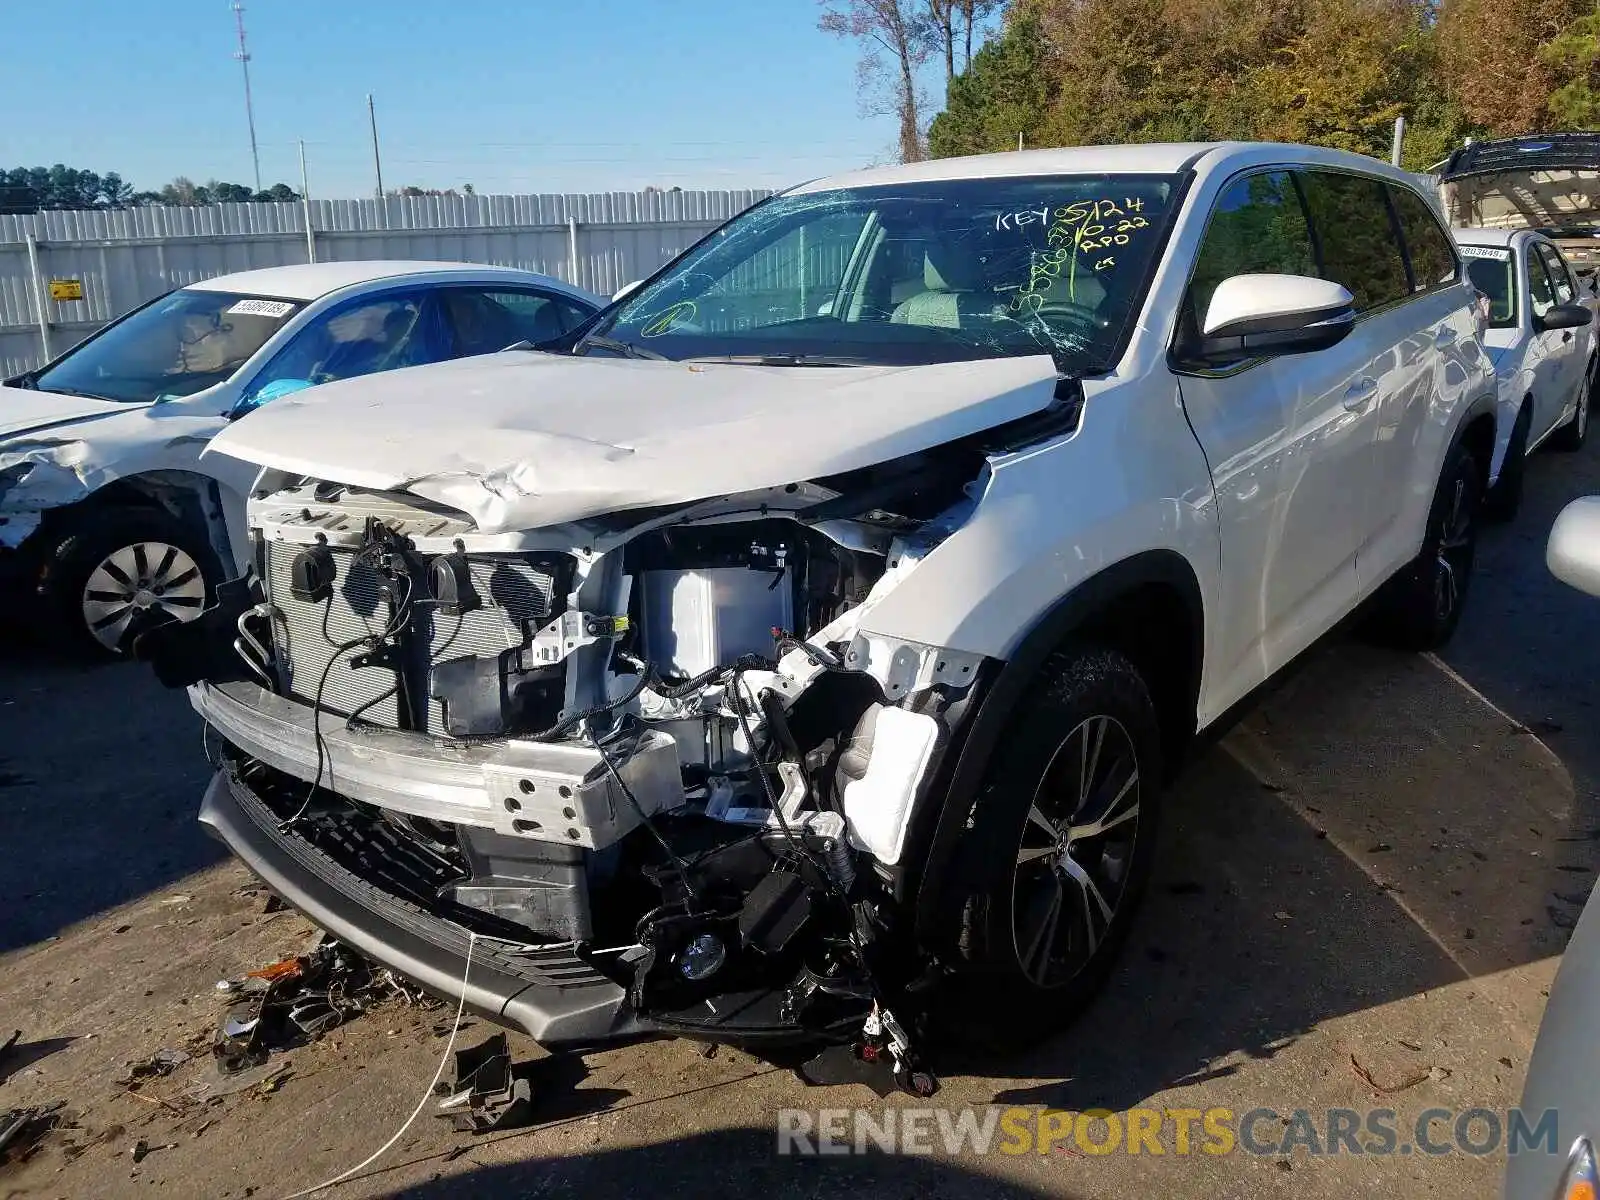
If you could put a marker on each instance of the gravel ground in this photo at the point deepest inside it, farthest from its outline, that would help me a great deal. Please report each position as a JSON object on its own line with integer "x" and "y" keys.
{"x": 1362, "y": 895}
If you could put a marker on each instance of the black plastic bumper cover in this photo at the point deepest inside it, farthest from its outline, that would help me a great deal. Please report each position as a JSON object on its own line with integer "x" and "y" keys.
{"x": 550, "y": 994}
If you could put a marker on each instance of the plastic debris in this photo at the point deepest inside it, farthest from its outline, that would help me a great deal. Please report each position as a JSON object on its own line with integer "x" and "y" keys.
{"x": 297, "y": 1000}
{"x": 487, "y": 1093}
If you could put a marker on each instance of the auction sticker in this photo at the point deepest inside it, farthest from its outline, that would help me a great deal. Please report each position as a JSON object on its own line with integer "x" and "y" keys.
{"x": 261, "y": 308}
{"x": 1497, "y": 253}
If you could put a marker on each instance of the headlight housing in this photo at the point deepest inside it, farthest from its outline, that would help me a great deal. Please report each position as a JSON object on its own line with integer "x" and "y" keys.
{"x": 1581, "y": 1181}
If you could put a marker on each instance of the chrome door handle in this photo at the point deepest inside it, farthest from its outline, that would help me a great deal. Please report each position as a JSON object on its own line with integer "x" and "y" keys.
{"x": 1359, "y": 392}
{"x": 1443, "y": 337}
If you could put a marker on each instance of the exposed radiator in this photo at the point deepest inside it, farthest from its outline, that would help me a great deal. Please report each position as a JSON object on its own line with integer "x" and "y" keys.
{"x": 515, "y": 594}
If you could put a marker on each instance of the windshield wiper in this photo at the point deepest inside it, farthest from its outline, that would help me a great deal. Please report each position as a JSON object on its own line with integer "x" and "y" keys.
{"x": 784, "y": 360}
{"x": 65, "y": 391}
{"x": 600, "y": 342}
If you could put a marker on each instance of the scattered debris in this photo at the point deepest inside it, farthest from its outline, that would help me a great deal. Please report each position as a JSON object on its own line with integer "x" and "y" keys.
{"x": 1504, "y": 1060}
{"x": 487, "y": 1094}
{"x": 158, "y": 1065}
{"x": 1409, "y": 1081}
{"x": 22, "y": 1129}
{"x": 1414, "y": 1046}
{"x": 1379, "y": 848}
{"x": 1283, "y": 916}
{"x": 177, "y": 898}
{"x": 297, "y": 1000}
{"x": 143, "y": 1149}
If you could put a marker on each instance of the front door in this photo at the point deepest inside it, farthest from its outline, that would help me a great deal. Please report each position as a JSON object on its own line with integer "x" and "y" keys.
{"x": 1284, "y": 439}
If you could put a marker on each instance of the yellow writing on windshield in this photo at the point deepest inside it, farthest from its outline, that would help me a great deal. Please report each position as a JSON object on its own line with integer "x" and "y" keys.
{"x": 1084, "y": 226}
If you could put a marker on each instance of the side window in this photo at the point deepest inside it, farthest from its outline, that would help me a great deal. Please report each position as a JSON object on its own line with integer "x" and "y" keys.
{"x": 1356, "y": 237}
{"x": 484, "y": 321}
{"x": 1433, "y": 263}
{"x": 1560, "y": 277}
{"x": 1257, "y": 227}
{"x": 359, "y": 337}
{"x": 1541, "y": 296}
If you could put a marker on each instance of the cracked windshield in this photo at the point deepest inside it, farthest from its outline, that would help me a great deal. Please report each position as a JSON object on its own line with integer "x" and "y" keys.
{"x": 916, "y": 273}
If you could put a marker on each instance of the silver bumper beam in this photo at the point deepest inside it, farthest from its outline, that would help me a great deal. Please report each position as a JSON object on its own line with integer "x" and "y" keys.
{"x": 545, "y": 791}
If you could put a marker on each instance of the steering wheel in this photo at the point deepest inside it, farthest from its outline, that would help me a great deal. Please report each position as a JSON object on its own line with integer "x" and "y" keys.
{"x": 1076, "y": 314}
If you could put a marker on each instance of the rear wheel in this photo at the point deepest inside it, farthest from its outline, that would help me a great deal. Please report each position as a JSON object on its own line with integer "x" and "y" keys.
{"x": 116, "y": 577}
{"x": 1420, "y": 607}
{"x": 1057, "y": 852}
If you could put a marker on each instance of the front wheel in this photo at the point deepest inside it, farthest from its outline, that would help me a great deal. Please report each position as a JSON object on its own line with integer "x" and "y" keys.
{"x": 1575, "y": 432}
{"x": 1419, "y": 608}
{"x": 117, "y": 576}
{"x": 1504, "y": 500}
{"x": 1057, "y": 852}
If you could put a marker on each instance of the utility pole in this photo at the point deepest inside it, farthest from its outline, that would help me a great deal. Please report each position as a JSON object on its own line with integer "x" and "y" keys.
{"x": 243, "y": 55}
{"x": 305, "y": 207}
{"x": 377, "y": 163}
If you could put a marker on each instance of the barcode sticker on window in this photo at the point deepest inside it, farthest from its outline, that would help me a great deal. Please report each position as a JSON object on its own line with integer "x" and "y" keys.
{"x": 1493, "y": 252}
{"x": 261, "y": 308}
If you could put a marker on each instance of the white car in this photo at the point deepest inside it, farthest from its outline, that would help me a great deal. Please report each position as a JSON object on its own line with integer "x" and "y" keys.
{"x": 1540, "y": 336}
{"x": 801, "y": 653}
{"x": 107, "y": 512}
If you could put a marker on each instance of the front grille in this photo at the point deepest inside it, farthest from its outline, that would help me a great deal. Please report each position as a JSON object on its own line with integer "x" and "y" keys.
{"x": 516, "y": 595}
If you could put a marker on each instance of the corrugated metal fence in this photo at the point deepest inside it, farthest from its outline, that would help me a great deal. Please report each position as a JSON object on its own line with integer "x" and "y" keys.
{"x": 599, "y": 241}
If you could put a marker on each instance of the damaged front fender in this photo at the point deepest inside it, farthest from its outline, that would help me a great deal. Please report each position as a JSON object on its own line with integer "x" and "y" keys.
{"x": 36, "y": 476}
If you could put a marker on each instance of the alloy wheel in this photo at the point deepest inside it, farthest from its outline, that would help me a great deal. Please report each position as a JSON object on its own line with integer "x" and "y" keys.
{"x": 145, "y": 578}
{"x": 1074, "y": 854}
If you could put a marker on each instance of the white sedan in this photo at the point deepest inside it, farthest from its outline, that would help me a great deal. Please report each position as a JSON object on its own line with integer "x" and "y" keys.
{"x": 1540, "y": 337}
{"x": 108, "y": 512}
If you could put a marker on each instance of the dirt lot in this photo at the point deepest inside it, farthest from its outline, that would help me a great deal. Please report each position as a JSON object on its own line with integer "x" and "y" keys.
{"x": 1362, "y": 893}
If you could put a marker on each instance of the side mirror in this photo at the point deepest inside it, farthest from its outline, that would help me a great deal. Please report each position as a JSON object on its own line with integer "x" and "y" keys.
{"x": 626, "y": 290}
{"x": 1253, "y": 316}
{"x": 1564, "y": 316}
{"x": 1573, "y": 552}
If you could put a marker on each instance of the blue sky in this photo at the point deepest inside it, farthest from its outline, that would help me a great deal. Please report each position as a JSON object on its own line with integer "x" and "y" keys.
{"x": 541, "y": 95}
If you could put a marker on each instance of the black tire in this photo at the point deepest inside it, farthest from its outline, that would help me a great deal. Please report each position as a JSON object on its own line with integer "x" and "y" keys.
{"x": 1575, "y": 432}
{"x": 1018, "y": 859}
{"x": 1419, "y": 608}
{"x": 152, "y": 547}
{"x": 1504, "y": 500}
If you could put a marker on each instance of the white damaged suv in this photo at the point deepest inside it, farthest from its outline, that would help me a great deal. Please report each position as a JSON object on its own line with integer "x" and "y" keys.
{"x": 801, "y": 652}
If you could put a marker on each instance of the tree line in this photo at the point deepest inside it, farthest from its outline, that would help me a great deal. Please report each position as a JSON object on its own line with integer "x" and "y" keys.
{"x": 1327, "y": 72}
{"x": 30, "y": 189}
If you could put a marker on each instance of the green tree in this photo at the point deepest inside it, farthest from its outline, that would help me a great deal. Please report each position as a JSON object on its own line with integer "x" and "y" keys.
{"x": 1493, "y": 60}
{"x": 1004, "y": 94}
{"x": 1573, "y": 58}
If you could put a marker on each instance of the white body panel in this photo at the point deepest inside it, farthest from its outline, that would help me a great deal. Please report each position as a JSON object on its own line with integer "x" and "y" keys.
{"x": 81, "y": 444}
{"x": 1542, "y": 368}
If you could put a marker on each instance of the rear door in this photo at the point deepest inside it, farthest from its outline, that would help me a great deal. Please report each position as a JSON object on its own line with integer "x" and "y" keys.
{"x": 488, "y": 318}
{"x": 1366, "y": 401}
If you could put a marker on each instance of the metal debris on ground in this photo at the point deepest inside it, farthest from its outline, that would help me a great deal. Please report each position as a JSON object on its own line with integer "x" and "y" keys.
{"x": 299, "y": 999}
{"x": 488, "y": 1093}
{"x": 158, "y": 1065}
{"x": 22, "y": 1129}
{"x": 1409, "y": 1081}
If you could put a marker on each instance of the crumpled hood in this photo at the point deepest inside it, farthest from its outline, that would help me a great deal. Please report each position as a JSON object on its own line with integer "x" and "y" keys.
{"x": 523, "y": 440}
{"x": 23, "y": 410}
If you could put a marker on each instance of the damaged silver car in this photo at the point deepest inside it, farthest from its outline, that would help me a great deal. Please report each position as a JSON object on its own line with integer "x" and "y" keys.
{"x": 798, "y": 652}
